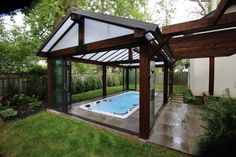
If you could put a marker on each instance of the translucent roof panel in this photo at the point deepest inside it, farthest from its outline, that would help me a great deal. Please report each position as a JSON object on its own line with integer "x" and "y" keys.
{"x": 78, "y": 56}
{"x": 125, "y": 57}
{"x": 118, "y": 52}
{"x": 87, "y": 56}
{"x": 69, "y": 40}
{"x": 58, "y": 34}
{"x": 97, "y": 31}
{"x": 99, "y": 55}
{"x": 123, "y": 52}
{"x": 106, "y": 55}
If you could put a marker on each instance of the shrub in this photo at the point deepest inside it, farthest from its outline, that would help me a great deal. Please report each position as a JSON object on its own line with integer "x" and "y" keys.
{"x": 37, "y": 69}
{"x": 7, "y": 112}
{"x": 21, "y": 103}
{"x": 37, "y": 86}
{"x": 189, "y": 98}
{"x": 220, "y": 115}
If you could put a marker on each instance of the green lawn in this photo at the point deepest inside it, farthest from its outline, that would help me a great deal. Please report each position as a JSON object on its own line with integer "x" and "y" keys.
{"x": 98, "y": 92}
{"x": 95, "y": 93}
{"x": 50, "y": 135}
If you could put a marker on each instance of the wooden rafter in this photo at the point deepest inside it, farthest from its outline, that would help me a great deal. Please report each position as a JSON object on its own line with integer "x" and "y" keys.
{"x": 204, "y": 24}
{"x": 158, "y": 47}
{"x": 214, "y": 44}
{"x": 224, "y": 4}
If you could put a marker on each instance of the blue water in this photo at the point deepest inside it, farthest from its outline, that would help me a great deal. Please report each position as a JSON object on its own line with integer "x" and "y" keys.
{"x": 119, "y": 104}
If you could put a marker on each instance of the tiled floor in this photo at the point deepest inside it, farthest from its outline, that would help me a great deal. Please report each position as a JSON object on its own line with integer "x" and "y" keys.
{"x": 131, "y": 123}
{"x": 177, "y": 126}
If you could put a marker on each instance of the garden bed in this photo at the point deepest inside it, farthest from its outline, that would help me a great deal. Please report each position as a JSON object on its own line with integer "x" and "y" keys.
{"x": 19, "y": 106}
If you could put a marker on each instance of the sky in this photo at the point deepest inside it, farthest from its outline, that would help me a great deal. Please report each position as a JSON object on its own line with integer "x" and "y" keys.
{"x": 182, "y": 14}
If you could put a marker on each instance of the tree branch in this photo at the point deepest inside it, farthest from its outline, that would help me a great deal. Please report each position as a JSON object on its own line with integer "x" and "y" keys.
{"x": 202, "y": 6}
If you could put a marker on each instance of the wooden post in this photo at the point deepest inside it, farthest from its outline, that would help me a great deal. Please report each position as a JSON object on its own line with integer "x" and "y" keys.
{"x": 104, "y": 80}
{"x": 144, "y": 96}
{"x": 49, "y": 83}
{"x": 165, "y": 87}
{"x": 211, "y": 75}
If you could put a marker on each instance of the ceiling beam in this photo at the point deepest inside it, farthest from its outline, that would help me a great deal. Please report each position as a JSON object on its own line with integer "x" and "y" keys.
{"x": 224, "y": 4}
{"x": 214, "y": 44}
{"x": 204, "y": 24}
{"x": 158, "y": 47}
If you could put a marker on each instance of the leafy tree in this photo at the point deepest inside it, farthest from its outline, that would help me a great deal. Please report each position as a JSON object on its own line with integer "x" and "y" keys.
{"x": 164, "y": 11}
{"x": 18, "y": 46}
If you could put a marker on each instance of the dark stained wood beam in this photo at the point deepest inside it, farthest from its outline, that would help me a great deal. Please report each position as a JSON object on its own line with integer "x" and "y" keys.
{"x": 214, "y": 44}
{"x": 158, "y": 47}
{"x": 104, "y": 80}
{"x": 211, "y": 75}
{"x": 204, "y": 24}
{"x": 122, "y": 62}
{"x": 130, "y": 54}
{"x": 81, "y": 31}
{"x": 87, "y": 61}
{"x": 144, "y": 94}
{"x": 224, "y": 4}
{"x": 104, "y": 45}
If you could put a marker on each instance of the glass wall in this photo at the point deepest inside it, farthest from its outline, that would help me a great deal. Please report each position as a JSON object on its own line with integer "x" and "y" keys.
{"x": 60, "y": 75}
{"x": 132, "y": 79}
{"x": 152, "y": 93}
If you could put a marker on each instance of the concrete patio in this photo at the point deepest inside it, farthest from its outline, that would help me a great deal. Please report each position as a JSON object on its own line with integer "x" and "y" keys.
{"x": 177, "y": 126}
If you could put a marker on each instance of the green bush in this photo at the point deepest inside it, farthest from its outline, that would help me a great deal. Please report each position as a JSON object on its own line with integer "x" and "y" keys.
{"x": 21, "y": 103}
{"x": 189, "y": 98}
{"x": 37, "y": 86}
{"x": 93, "y": 82}
{"x": 7, "y": 112}
{"x": 37, "y": 69}
{"x": 220, "y": 115}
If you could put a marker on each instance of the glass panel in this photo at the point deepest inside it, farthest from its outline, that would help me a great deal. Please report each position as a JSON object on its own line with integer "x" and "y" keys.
{"x": 132, "y": 78}
{"x": 58, "y": 34}
{"x": 57, "y": 84}
{"x": 152, "y": 93}
{"x": 96, "y": 31}
{"x": 69, "y": 40}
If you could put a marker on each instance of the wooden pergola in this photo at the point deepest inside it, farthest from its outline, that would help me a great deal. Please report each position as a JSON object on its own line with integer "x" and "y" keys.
{"x": 113, "y": 41}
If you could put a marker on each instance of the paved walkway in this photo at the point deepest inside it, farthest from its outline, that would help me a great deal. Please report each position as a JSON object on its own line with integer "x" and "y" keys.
{"x": 177, "y": 126}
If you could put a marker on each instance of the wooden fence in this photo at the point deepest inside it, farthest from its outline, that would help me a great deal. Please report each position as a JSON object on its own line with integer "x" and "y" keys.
{"x": 23, "y": 83}
{"x": 180, "y": 78}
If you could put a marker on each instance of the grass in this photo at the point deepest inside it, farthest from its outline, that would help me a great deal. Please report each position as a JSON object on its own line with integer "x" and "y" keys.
{"x": 178, "y": 89}
{"x": 95, "y": 93}
{"x": 50, "y": 135}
